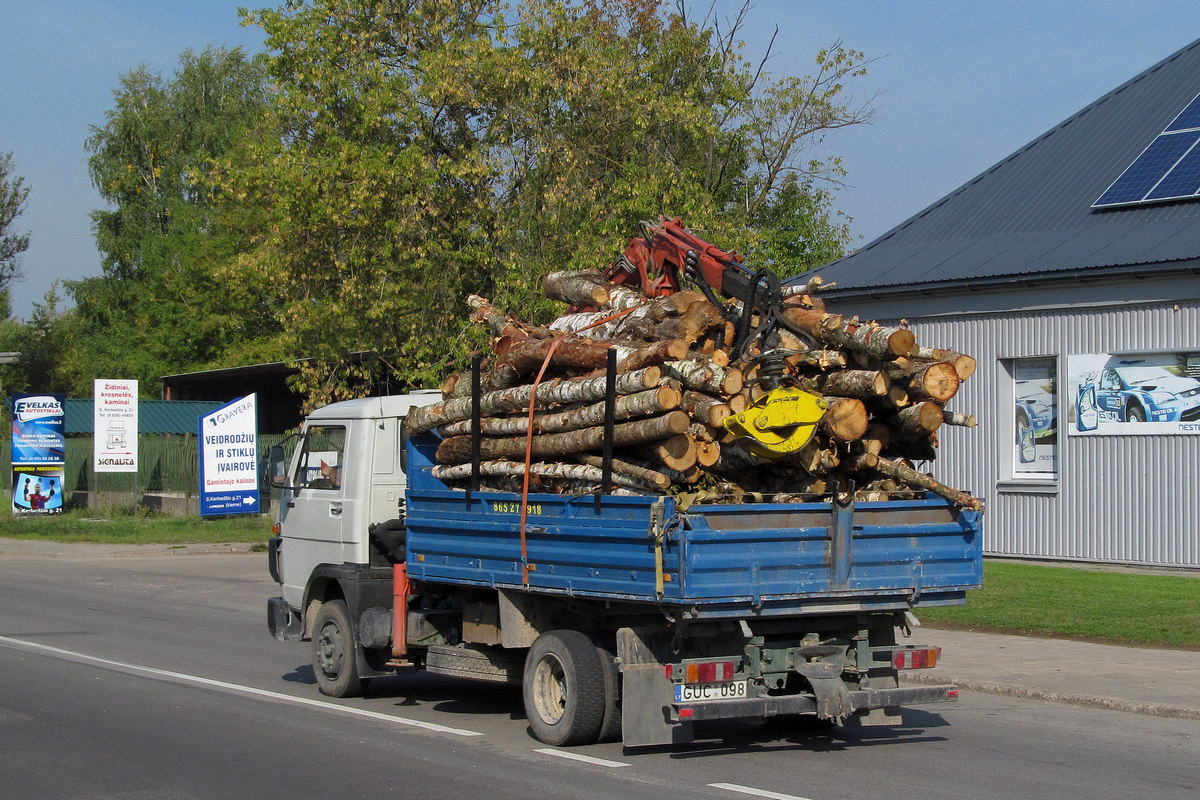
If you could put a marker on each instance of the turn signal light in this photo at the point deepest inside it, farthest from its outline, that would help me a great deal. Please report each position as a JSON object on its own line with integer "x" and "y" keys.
{"x": 916, "y": 658}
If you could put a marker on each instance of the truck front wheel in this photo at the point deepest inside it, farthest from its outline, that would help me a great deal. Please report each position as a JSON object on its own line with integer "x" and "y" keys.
{"x": 334, "y": 651}
{"x": 564, "y": 686}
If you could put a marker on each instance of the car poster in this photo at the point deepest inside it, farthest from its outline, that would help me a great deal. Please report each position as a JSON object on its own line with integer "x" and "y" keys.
{"x": 1134, "y": 394}
{"x": 39, "y": 446}
{"x": 1035, "y": 388}
{"x": 229, "y": 458}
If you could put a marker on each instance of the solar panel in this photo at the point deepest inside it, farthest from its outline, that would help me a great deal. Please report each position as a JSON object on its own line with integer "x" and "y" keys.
{"x": 1188, "y": 118}
{"x": 1182, "y": 181}
{"x": 1169, "y": 169}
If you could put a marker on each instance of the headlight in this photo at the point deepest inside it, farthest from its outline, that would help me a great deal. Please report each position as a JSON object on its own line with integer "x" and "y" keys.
{"x": 1162, "y": 397}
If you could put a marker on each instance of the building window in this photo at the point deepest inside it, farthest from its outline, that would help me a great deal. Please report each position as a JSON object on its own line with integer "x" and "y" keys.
{"x": 1035, "y": 418}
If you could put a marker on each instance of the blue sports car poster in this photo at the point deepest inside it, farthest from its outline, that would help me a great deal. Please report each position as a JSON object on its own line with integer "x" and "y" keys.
{"x": 1134, "y": 394}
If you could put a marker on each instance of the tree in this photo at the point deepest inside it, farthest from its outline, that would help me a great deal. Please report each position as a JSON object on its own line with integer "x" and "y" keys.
{"x": 398, "y": 187}
{"x": 159, "y": 307}
{"x": 13, "y": 194}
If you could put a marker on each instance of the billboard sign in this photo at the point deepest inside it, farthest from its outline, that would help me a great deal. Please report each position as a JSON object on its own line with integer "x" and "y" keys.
{"x": 1134, "y": 394}
{"x": 115, "y": 429}
{"x": 229, "y": 458}
{"x": 39, "y": 449}
{"x": 38, "y": 429}
{"x": 37, "y": 488}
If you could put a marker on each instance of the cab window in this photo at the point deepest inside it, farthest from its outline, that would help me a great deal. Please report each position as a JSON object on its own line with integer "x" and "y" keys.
{"x": 321, "y": 463}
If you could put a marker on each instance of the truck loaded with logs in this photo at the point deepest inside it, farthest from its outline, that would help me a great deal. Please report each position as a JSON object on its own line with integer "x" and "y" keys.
{"x": 668, "y": 505}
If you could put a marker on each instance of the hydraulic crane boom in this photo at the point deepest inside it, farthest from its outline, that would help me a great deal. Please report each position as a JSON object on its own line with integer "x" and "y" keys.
{"x": 783, "y": 419}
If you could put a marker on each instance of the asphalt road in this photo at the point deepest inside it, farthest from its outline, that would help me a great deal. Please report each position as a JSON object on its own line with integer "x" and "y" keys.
{"x": 154, "y": 677}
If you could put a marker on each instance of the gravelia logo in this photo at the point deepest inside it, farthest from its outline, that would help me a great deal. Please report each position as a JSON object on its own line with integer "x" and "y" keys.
{"x": 28, "y": 408}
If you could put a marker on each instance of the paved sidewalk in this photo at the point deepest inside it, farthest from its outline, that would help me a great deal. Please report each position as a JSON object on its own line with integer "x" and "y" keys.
{"x": 36, "y": 548}
{"x": 1145, "y": 681}
{"x": 1139, "y": 680}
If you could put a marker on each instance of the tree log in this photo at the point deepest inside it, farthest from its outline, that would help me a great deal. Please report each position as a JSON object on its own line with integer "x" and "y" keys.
{"x": 704, "y": 408}
{"x": 704, "y": 376}
{"x": 910, "y": 476}
{"x": 516, "y": 469}
{"x": 649, "y": 477}
{"x": 577, "y": 288}
{"x": 526, "y": 358}
{"x": 919, "y": 419}
{"x": 955, "y": 418}
{"x": 457, "y": 449}
{"x": 845, "y": 419}
{"x": 936, "y": 381}
{"x": 873, "y": 339}
{"x": 847, "y": 383}
{"x": 821, "y": 359}
{"x": 696, "y": 320}
{"x": 652, "y": 355}
{"x": 677, "y": 453}
{"x": 964, "y": 365}
{"x": 641, "y": 404}
{"x": 816, "y": 325}
{"x": 588, "y": 390}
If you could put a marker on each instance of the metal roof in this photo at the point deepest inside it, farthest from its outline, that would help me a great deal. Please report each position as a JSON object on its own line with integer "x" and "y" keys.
{"x": 1031, "y": 214}
{"x": 154, "y": 416}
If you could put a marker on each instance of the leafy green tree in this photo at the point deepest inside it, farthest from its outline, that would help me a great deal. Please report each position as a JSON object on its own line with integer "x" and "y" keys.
{"x": 439, "y": 148}
{"x": 159, "y": 307}
{"x": 13, "y": 194}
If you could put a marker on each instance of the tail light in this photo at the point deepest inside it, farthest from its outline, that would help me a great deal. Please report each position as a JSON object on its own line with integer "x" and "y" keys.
{"x": 702, "y": 671}
{"x": 916, "y": 658}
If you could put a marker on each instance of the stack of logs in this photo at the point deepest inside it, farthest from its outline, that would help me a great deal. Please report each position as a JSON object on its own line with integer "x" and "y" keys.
{"x": 675, "y": 385}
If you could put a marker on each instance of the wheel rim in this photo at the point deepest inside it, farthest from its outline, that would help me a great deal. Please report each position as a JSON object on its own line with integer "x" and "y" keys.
{"x": 550, "y": 689}
{"x": 331, "y": 650}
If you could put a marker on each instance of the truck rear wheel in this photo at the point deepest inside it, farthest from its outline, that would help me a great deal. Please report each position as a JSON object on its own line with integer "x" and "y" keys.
{"x": 564, "y": 687}
{"x": 335, "y": 650}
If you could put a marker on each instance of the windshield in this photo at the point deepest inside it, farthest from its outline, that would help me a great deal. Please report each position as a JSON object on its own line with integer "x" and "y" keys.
{"x": 1139, "y": 375}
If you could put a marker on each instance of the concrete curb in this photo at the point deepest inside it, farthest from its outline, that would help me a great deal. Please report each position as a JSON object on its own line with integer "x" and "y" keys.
{"x": 1080, "y": 700}
{"x": 36, "y": 548}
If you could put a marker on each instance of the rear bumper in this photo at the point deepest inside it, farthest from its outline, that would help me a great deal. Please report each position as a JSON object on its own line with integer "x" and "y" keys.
{"x": 762, "y": 707}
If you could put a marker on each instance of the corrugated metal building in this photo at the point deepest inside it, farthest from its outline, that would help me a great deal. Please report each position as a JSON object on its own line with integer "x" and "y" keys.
{"x": 1075, "y": 282}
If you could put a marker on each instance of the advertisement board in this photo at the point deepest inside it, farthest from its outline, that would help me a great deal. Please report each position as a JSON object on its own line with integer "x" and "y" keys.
{"x": 38, "y": 429}
{"x": 115, "y": 429}
{"x": 1134, "y": 394}
{"x": 228, "y": 455}
{"x": 1035, "y": 388}
{"x": 37, "y": 488}
{"x": 39, "y": 447}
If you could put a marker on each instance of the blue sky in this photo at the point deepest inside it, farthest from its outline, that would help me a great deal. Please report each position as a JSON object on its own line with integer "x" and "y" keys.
{"x": 961, "y": 84}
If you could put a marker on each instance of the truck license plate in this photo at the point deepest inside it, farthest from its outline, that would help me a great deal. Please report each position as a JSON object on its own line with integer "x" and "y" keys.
{"x": 687, "y": 693}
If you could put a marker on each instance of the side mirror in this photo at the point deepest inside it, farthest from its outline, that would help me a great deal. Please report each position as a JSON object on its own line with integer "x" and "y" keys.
{"x": 278, "y": 464}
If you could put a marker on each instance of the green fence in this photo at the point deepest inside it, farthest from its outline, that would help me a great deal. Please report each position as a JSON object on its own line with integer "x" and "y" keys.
{"x": 167, "y": 465}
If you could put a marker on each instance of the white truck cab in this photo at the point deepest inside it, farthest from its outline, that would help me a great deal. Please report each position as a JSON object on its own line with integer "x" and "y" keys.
{"x": 340, "y": 512}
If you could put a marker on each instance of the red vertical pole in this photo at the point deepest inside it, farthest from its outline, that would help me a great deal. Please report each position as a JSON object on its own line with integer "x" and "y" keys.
{"x": 400, "y": 593}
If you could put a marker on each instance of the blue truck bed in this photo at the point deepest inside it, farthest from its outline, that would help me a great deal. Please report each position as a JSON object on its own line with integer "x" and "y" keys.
{"x": 716, "y": 560}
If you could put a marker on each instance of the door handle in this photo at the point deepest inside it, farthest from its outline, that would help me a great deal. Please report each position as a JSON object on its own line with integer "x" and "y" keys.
{"x": 335, "y": 511}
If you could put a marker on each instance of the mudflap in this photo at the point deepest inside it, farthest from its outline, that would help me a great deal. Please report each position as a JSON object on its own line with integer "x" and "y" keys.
{"x": 647, "y": 696}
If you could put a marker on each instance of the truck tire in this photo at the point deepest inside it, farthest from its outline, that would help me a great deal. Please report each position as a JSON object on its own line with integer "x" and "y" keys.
{"x": 335, "y": 651}
{"x": 610, "y": 726}
{"x": 564, "y": 689}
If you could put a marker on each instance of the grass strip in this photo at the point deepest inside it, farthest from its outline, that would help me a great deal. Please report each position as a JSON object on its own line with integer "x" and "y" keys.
{"x": 1092, "y": 604}
{"x": 129, "y": 528}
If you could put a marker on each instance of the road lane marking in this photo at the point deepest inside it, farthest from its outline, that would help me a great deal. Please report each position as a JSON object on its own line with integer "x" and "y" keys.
{"x": 600, "y": 762}
{"x": 233, "y": 687}
{"x": 733, "y": 787}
